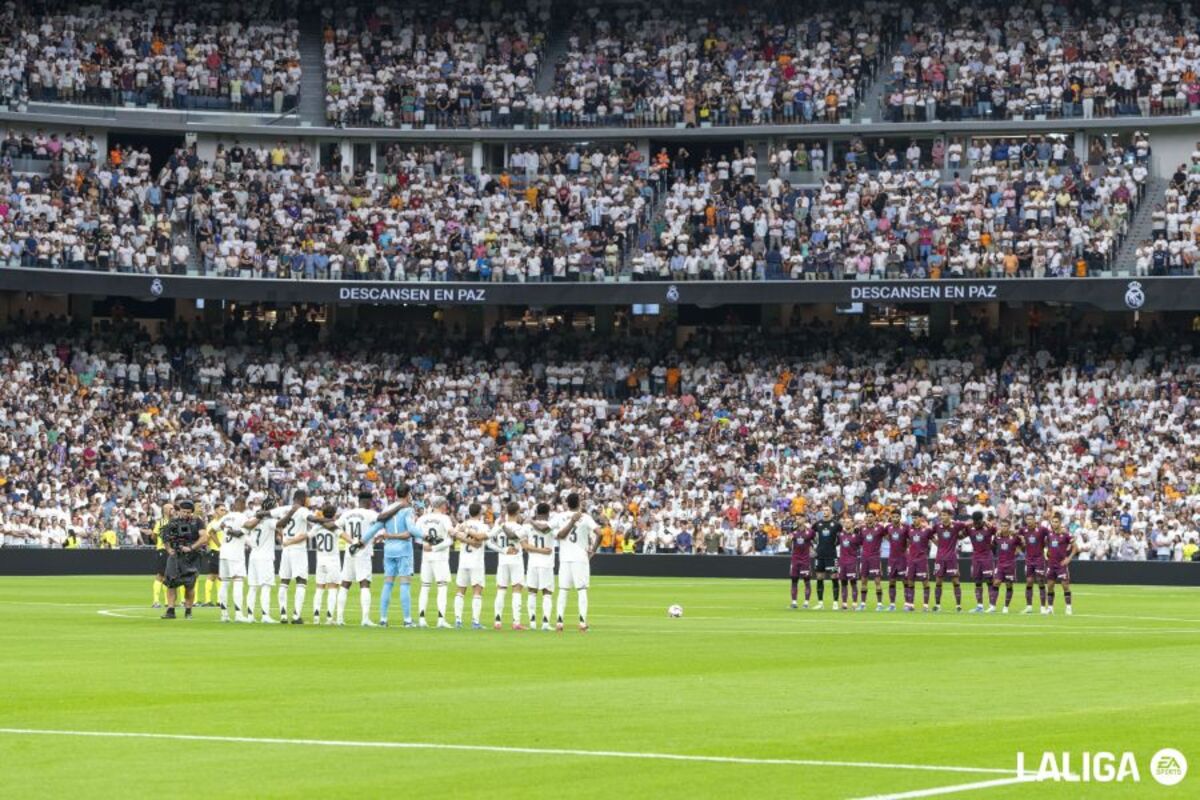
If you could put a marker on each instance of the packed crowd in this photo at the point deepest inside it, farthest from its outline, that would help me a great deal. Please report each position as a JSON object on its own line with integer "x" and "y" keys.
{"x": 557, "y": 214}
{"x": 700, "y": 64}
{"x": 202, "y": 55}
{"x": 633, "y": 64}
{"x": 1175, "y": 226}
{"x": 1013, "y": 214}
{"x": 1017, "y": 60}
{"x": 433, "y": 63}
{"x": 111, "y": 215}
{"x": 576, "y": 213}
{"x": 699, "y": 447}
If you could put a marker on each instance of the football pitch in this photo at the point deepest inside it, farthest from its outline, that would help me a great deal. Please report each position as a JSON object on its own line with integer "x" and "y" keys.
{"x": 741, "y": 697}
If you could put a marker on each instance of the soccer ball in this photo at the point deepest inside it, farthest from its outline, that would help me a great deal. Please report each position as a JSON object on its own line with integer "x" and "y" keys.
{"x": 675, "y": 611}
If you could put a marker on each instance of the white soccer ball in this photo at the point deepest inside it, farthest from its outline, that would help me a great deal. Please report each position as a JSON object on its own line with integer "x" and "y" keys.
{"x": 675, "y": 611}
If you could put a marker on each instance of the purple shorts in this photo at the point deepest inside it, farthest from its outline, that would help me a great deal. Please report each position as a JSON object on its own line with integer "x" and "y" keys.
{"x": 1006, "y": 573}
{"x": 897, "y": 568}
{"x": 872, "y": 567}
{"x": 1035, "y": 569}
{"x": 946, "y": 568}
{"x": 982, "y": 570}
{"x": 802, "y": 569}
{"x": 847, "y": 572}
{"x": 917, "y": 570}
{"x": 1058, "y": 573}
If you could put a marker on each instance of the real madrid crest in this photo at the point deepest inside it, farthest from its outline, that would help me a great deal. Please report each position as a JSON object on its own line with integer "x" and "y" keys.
{"x": 672, "y": 294}
{"x": 1135, "y": 298}
{"x": 156, "y": 287}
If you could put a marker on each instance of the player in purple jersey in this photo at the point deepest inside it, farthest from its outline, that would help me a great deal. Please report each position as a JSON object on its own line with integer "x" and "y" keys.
{"x": 947, "y": 533}
{"x": 1060, "y": 549}
{"x": 1033, "y": 542}
{"x": 849, "y": 548}
{"x": 917, "y": 558}
{"x": 873, "y": 536}
{"x": 1008, "y": 543}
{"x": 897, "y": 536}
{"x": 983, "y": 563}
{"x": 802, "y": 537}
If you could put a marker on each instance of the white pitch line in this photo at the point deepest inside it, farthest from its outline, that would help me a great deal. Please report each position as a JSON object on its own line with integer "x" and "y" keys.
{"x": 541, "y": 751}
{"x": 960, "y": 787}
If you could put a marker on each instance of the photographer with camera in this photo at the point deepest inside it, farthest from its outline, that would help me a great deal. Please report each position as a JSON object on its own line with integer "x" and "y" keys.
{"x": 185, "y": 539}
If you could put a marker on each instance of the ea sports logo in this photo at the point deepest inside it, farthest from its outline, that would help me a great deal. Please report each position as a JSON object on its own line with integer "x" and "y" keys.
{"x": 156, "y": 287}
{"x": 1168, "y": 766}
{"x": 1135, "y": 298}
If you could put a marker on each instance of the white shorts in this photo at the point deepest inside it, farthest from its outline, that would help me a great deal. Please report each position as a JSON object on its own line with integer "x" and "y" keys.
{"x": 262, "y": 570}
{"x": 574, "y": 574}
{"x": 470, "y": 576}
{"x": 540, "y": 579}
{"x": 356, "y": 567}
{"x": 435, "y": 571}
{"x": 293, "y": 564}
{"x": 328, "y": 572}
{"x": 510, "y": 574}
{"x": 231, "y": 568}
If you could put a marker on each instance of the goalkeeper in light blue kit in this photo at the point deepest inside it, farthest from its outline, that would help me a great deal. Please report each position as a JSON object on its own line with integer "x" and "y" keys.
{"x": 396, "y": 525}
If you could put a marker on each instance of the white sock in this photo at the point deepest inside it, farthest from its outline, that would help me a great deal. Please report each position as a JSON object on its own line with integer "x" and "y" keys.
{"x": 476, "y": 607}
{"x": 237, "y": 596}
{"x": 251, "y": 601}
{"x": 266, "y": 601}
{"x": 441, "y": 600}
{"x": 423, "y": 600}
{"x": 364, "y": 602}
{"x": 342, "y": 594}
{"x": 318, "y": 595}
{"x": 562, "y": 604}
{"x": 516, "y": 607}
{"x": 499, "y": 604}
{"x": 458, "y": 607}
{"x": 531, "y": 604}
{"x": 283, "y": 589}
{"x": 301, "y": 590}
{"x": 546, "y": 607}
{"x": 223, "y": 595}
{"x": 583, "y": 605}
{"x": 334, "y": 598}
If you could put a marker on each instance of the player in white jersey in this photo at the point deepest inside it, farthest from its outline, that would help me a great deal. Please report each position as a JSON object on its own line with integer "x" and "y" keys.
{"x": 473, "y": 534}
{"x": 435, "y": 528}
{"x": 233, "y": 559}
{"x": 576, "y": 543}
{"x": 356, "y": 566}
{"x": 324, "y": 534}
{"x": 539, "y": 542}
{"x": 505, "y": 539}
{"x": 293, "y": 560}
{"x": 261, "y": 572}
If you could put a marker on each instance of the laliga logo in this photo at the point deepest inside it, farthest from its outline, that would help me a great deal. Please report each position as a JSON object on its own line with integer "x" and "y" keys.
{"x": 1135, "y": 298}
{"x": 1168, "y": 767}
{"x": 156, "y": 287}
{"x": 672, "y": 294}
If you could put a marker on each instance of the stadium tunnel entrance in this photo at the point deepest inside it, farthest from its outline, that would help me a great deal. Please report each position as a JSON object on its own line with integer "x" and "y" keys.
{"x": 160, "y": 145}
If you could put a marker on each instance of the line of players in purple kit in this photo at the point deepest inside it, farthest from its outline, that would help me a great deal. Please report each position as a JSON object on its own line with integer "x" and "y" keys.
{"x": 851, "y": 557}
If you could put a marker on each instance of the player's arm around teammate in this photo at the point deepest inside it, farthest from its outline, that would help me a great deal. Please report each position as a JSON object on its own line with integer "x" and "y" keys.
{"x": 576, "y": 545}
{"x": 1061, "y": 550}
{"x": 505, "y": 539}
{"x": 473, "y": 535}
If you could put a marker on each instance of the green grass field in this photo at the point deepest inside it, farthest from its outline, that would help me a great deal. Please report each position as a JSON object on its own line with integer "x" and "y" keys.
{"x": 739, "y": 677}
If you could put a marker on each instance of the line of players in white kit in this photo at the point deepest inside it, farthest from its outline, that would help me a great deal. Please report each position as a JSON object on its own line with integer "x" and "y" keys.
{"x": 343, "y": 543}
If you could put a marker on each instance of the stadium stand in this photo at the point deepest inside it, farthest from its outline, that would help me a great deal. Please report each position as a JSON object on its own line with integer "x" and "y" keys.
{"x": 202, "y": 56}
{"x": 695, "y": 446}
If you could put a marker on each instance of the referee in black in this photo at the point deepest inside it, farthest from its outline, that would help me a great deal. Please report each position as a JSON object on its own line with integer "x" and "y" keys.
{"x": 185, "y": 540}
{"x": 827, "y": 529}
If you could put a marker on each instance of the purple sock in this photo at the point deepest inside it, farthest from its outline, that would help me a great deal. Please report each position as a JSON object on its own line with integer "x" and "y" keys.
{"x": 937, "y": 595}
{"x": 957, "y": 594}
{"x": 795, "y": 586}
{"x": 807, "y": 590}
